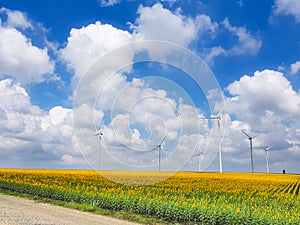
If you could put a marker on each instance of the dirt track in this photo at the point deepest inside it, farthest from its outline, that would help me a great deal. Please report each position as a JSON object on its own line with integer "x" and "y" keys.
{"x": 20, "y": 211}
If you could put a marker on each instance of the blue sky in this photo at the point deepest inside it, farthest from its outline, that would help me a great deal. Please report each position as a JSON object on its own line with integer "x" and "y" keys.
{"x": 46, "y": 48}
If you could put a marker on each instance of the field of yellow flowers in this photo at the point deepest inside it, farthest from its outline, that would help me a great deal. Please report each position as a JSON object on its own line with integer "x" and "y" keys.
{"x": 201, "y": 198}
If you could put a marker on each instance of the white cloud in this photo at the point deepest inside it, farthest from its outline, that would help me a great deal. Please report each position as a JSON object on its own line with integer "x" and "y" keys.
{"x": 149, "y": 111}
{"x": 87, "y": 44}
{"x": 21, "y": 60}
{"x": 281, "y": 68}
{"x": 247, "y": 43}
{"x": 18, "y": 98}
{"x": 288, "y": 7}
{"x": 16, "y": 19}
{"x": 139, "y": 117}
{"x": 158, "y": 23}
{"x": 295, "y": 67}
{"x": 263, "y": 104}
{"x": 31, "y": 136}
{"x": 205, "y": 25}
{"x": 266, "y": 90}
{"x": 106, "y": 3}
{"x": 214, "y": 52}
{"x": 71, "y": 160}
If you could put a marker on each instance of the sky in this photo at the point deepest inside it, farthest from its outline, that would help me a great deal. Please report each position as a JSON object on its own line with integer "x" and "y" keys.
{"x": 147, "y": 74}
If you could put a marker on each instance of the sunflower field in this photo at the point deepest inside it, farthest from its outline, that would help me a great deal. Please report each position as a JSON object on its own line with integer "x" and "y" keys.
{"x": 186, "y": 197}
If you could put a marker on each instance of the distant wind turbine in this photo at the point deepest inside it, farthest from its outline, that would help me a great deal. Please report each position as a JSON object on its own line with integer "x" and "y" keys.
{"x": 218, "y": 118}
{"x": 251, "y": 150}
{"x": 160, "y": 152}
{"x": 100, "y": 135}
{"x": 200, "y": 156}
{"x": 267, "y": 157}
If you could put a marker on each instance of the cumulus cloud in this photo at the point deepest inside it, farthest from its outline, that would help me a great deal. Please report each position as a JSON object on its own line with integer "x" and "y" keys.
{"x": 206, "y": 25}
{"x": 19, "y": 58}
{"x": 266, "y": 90}
{"x": 295, "y": 67}
{"x": 158, "y": 23}
{"x": 16, "y": 19}
{"x": 287, "y": 7}
{"x": 87, "y": 44}
{"x": 247, "y": 43}
{"x": 263, "y": 104}
{"x": 136, "y": 109}
{"x": 31, "y": 134}
{"x": 140, "y": 117}
{"x": 18, "y": 99}
{"x": 265, "y": 99}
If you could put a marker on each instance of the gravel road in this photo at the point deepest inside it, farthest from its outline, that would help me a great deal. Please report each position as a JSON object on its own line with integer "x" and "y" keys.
{"x": 20, "y": 211}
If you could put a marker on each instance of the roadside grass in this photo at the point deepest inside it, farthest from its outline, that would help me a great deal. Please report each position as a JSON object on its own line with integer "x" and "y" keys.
{"x": 122, "y": 215}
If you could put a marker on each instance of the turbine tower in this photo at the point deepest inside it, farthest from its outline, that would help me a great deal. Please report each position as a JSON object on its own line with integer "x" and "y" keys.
{"x": 100, "y": 135}
{"x": 200, "y": 156}
{"x": 251, "y": 150}
{"x": 267, "y": 157}
{"x": 160, "y": 152}
{"x": 218, "y": 118}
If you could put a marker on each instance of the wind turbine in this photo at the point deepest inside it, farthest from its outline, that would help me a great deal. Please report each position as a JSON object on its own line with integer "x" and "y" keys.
{"x": 218, "y": 118}
{"x": 251, "y": 150}
{"x": 160, "y": 152}
{"x": 100, "y": 135}
{"x": 200, "y": 156}
{"x": 267, "y": 157}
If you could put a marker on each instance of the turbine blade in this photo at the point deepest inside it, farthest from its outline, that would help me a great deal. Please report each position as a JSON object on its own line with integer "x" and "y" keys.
{"x": 154, "y": 148}
{"x": 162, "y": 141}
{"x": 222, "y": 109}
{"x": 221, "y": 123}
{"x": 267, "y": 149}
{"x": 246, "y": 134}
{"x": 203, "y": 118}
{"x": 119, "y": 143}
{"x": 209, "y": 117}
